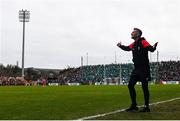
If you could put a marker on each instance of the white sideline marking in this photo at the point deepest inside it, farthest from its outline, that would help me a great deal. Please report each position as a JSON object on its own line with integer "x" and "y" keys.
{"x": 121, "y": 110}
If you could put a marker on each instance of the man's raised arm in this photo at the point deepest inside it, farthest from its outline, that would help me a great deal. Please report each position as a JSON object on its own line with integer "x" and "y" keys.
{"x": 126, "y": 48}
{"x": 148, "y": 46}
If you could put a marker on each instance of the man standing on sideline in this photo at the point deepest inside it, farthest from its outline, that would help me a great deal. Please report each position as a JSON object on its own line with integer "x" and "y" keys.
{"x": 141, "y": 72}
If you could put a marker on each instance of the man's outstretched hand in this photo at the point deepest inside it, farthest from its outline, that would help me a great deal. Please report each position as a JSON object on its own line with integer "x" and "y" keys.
{"x": 155, "y": 45}
{"x": 119, "y": 44}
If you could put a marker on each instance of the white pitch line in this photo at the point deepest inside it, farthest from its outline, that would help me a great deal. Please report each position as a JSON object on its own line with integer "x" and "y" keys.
{"x": 121, "y": 110}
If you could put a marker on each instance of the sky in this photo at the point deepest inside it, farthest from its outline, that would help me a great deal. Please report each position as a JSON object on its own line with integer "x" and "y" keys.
{"x": 60, "y": 32}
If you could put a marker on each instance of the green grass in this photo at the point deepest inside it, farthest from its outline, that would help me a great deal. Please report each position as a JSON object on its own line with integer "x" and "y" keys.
{"x": 164, "y": 111}
{"x": 73, "y": 102}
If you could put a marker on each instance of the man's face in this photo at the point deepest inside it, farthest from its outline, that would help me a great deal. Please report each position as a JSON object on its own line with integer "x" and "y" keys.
{"x": 135, "y": 34}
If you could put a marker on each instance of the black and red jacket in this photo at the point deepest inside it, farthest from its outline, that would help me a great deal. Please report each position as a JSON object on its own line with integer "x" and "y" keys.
{"x": 140, "y": 50}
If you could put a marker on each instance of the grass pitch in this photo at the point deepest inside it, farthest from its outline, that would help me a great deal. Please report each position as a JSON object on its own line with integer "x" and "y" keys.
{"x": 74, "y": 102}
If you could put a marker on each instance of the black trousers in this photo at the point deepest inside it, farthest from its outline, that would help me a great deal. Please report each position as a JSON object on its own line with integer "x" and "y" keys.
{"x": 142, "y": 75}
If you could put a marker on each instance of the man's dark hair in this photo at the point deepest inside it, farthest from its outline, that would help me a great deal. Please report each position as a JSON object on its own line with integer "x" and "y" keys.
{"x": 140, "y": 32}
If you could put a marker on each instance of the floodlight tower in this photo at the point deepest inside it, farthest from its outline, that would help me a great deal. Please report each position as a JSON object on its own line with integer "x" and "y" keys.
{"x": 24, "y": 16}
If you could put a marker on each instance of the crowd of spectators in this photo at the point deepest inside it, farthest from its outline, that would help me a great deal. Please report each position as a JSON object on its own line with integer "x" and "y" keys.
{"x": 97, "y": 73}
{"x": 169, "y": 71}
{"x": 11, "y": 75}
{"x": 69, "y": 75}
{"x": 19, "y": 81}
{"x": 164, "y": 71}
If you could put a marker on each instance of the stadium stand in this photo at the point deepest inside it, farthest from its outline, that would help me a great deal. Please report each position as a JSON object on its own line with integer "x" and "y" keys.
{"x": 92, "y": 74}
{"x": 166, "y": 71}
{"x": 169, "y": 71}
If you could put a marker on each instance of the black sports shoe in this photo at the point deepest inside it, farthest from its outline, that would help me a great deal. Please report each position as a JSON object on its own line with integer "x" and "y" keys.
{"x": 145, "y": 109}
{"x": 132, "y": 108}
